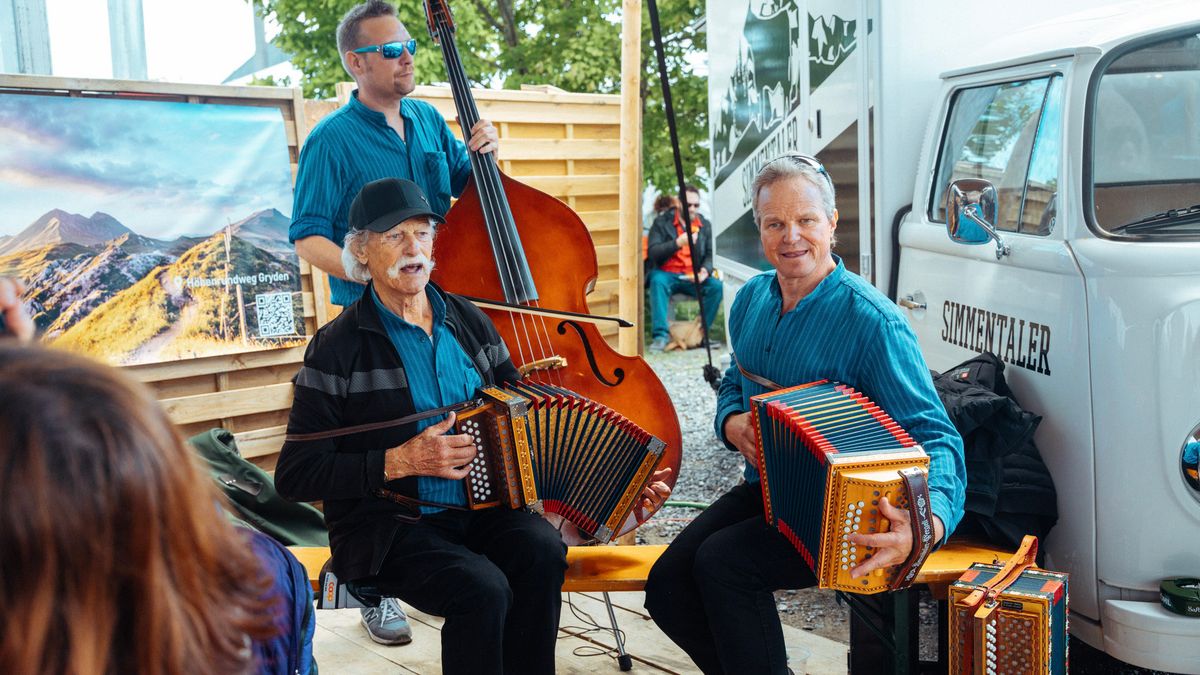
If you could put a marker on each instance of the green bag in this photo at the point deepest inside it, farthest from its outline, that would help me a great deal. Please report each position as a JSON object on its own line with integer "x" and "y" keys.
{"x": 252, "y": 494}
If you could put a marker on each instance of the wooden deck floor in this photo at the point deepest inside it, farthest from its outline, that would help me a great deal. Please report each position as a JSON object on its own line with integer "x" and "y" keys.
{"x": 341, "y": 645}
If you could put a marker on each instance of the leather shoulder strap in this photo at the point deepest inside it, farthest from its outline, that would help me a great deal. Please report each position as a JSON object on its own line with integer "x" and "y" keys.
{"x": 921, "y": 523}
{"x": 376, "y": 426}
{"x": 757, "y": 379}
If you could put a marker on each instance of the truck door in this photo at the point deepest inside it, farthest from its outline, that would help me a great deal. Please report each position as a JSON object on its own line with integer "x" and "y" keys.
{"x": 1027, "y": 306}
{"x": 1138, "y": 248}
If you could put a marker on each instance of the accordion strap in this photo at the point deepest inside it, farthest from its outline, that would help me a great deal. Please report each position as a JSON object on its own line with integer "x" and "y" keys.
{"x": 413, "y": 503}
{"x": 984, "y": 598}
{"x": 1023, "y": 559}
{"x": 376, "y": 426}
{"x": 757, "y": 379}
{"x": 921, "y": 522}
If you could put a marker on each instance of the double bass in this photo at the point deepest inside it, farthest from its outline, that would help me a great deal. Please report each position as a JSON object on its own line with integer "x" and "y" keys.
{"x": 528, "y": 261}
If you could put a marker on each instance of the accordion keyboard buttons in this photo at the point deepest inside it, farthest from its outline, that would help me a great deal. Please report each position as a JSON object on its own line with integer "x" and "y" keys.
{"x": 479, "y": 477}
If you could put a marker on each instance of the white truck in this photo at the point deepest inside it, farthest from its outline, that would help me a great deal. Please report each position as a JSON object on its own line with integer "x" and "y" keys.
{"x": 1085, "y": 126}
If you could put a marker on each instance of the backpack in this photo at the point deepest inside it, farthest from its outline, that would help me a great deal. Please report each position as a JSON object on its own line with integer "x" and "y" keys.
{"x": 251, "y": 492}
{"x": 289, "y": 652}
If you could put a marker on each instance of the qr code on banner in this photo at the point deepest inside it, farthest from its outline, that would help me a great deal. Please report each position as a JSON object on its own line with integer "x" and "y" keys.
{"x": 275, "y": 314}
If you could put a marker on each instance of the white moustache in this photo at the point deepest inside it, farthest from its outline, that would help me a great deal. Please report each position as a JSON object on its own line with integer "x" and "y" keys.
{"x": 424, "y": 262}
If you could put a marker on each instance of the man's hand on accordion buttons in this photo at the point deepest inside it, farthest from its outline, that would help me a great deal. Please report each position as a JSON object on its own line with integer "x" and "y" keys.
{"x": 741, "y": 435}
{"x": 655, "y": 494}
{"x": 432, "y": 452}
{"x": 891, "y": 547}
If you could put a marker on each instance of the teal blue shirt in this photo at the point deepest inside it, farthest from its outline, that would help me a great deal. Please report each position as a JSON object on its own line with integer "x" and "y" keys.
{"x": 353, "y": 146}
{"x": 844, "y": 330}
{"x": 439, "y": 373}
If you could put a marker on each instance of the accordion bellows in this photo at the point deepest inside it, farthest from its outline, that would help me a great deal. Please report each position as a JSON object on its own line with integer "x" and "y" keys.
{"x": 551, "y": 450}
{"x": 827, "y": 455}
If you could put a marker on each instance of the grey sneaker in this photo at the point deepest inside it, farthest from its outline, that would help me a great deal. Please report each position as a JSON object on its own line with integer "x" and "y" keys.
{"x": 386, "y": 624}
{"x": 658, "y": 344}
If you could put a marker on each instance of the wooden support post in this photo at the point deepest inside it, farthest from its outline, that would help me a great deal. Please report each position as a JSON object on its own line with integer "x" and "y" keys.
{"x": 629, "y": 286}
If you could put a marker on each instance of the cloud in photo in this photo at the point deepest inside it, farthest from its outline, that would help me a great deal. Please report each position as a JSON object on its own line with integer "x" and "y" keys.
{"x": 164, "y": 169}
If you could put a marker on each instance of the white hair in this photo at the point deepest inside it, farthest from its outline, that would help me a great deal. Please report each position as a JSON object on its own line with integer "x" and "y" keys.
{"x": 355, "y": 271}
{"x": 356, "y": 240}
{"x": 785, "y": 167}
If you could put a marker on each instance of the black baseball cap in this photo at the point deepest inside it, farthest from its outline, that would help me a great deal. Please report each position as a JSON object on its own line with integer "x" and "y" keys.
{"x": 385, "y": 203}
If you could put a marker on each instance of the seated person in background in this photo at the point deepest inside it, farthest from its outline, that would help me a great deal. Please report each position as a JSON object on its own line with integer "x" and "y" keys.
{"x": 669, "y": 265}
{"x": 408, "y": 347}
{"x": 114, "y": 551}
{"x": 808, "y": 319}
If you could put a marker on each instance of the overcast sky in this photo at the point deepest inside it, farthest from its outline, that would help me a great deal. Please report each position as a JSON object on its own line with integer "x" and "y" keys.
{"x": 198, "y": 41}
{"x": 161, "y": 169}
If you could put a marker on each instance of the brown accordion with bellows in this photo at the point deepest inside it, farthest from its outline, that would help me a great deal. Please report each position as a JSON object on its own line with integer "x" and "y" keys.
{"x": 551, "y": 450}
{"x": 826, "y": 456}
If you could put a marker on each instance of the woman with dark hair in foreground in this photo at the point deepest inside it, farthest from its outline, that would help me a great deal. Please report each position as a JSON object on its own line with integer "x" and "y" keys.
{"x": 114, "y": 555}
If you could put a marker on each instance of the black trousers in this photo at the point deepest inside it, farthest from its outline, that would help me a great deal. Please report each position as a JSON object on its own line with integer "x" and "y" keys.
{"x": 711, "y": 592}
{"x": 496, "y": 576}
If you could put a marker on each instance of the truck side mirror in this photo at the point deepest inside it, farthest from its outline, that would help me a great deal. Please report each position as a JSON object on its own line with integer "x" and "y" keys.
{"x": 971, "y": 208}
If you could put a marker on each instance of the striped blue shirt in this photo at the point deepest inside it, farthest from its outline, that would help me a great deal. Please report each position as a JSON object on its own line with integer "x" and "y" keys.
{"x": 353, "y": 146}
{"x": 439, "y": 373}
{"x": 848, "y": 331}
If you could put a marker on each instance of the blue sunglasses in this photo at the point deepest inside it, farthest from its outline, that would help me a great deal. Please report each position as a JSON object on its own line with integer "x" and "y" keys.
{"x": 390, "y": 50}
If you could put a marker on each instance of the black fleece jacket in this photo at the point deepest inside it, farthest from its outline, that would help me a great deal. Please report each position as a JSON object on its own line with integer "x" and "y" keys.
{"x": 660, "y": 243}
{"x": 353, "y": 375}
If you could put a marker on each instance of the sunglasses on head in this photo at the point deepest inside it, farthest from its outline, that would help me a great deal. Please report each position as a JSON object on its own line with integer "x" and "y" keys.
{"x": 391, "y": 50}
{"x": 801, "y": 159}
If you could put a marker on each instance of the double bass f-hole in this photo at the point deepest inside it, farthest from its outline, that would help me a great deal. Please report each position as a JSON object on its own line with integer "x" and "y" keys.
{"x": 618, "y": 373}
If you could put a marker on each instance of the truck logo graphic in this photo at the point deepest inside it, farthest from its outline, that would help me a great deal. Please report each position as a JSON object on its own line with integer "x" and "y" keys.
{"x": 764, "y": 87}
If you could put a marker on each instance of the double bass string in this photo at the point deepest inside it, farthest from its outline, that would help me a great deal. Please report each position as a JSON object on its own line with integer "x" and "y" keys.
{"x": 500, "y": 222}
{"x": 486, "y": 174}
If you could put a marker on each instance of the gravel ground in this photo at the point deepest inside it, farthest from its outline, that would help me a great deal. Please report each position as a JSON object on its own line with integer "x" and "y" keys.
{"x": 708, "y": 469}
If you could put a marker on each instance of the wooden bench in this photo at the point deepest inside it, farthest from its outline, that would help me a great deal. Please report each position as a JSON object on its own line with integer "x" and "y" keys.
{"x": 596, "y": 569}
{"x": 589, "y": 568}
{"x": 883, "y": 628}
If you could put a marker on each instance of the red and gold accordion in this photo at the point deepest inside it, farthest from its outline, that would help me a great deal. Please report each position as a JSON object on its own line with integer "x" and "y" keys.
{"x": 1009, "y": 619}
{"x": 826, "y": 456}
{"x": 551, "y": 450}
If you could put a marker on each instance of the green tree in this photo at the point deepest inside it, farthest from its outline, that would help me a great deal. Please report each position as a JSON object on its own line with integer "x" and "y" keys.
{"x": 572, "y": 45}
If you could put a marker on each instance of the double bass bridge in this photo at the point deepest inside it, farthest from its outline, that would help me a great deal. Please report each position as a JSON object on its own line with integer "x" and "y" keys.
{"x": 549, "y": 363}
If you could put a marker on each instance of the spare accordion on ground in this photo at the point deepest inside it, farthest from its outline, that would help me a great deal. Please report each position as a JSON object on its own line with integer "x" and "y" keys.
{"x": 1010, "y": 619}
{"x": 827, "y": 455}
{"x": 551, "y": 450}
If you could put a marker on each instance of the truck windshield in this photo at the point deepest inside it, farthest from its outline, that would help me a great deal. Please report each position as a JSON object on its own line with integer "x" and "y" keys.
{"x": 1145, "y": 149}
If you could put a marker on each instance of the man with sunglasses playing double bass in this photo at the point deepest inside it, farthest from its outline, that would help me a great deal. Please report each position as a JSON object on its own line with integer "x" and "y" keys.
{"x": 379, "y": 134}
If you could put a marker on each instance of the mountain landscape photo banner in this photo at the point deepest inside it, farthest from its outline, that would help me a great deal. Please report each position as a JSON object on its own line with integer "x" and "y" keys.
{"x": 149, "y": 231}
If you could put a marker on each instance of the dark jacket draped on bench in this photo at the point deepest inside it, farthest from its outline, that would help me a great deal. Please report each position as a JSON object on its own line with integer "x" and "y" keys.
{"x": 1010, "y": 492}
